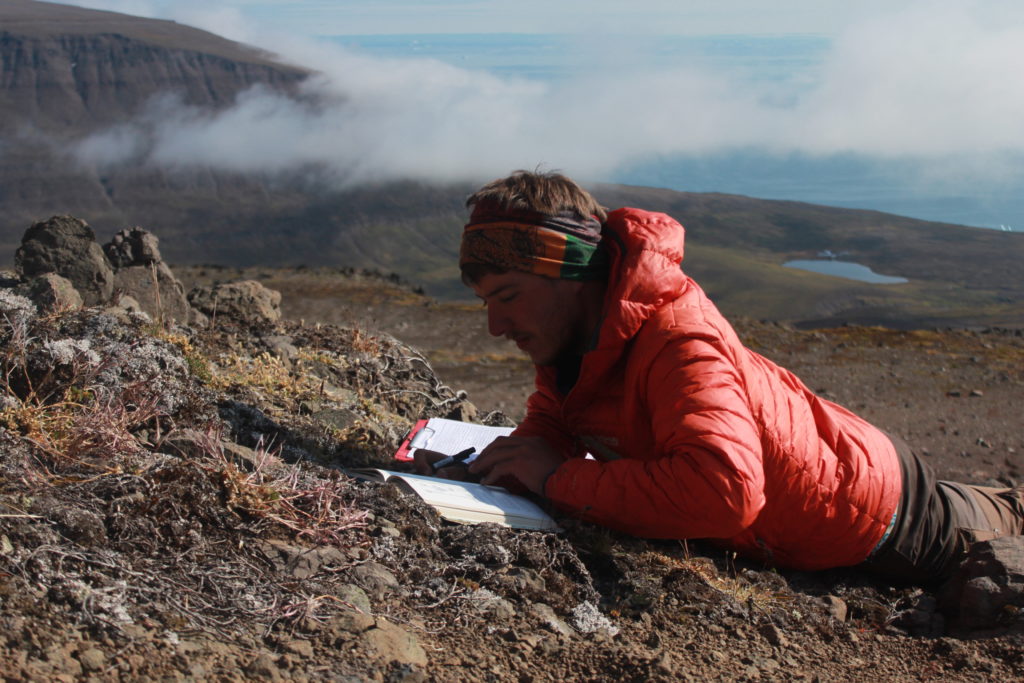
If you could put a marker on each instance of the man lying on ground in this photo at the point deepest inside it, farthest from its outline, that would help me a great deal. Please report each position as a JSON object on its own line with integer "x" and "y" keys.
{"x": 692, "y": 434}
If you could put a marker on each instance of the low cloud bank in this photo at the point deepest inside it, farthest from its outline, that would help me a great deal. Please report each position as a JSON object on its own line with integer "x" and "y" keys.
{"x": 935, "y": 84}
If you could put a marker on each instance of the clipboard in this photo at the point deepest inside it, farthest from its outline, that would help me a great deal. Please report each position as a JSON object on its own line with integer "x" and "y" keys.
{"x": 447, "y": 436}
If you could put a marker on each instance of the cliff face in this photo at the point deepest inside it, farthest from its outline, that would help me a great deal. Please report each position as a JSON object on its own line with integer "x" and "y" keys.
{"x": 66, "y": 72}
{"x": 70, "y": 84}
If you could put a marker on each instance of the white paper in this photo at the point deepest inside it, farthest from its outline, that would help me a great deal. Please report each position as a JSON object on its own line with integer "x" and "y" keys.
{"x": 451, "y": 436}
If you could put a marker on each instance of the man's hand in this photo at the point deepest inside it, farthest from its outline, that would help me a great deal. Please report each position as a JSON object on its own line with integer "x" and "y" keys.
{"x": 423, "y": 461}
{"x": 527, "y": 458}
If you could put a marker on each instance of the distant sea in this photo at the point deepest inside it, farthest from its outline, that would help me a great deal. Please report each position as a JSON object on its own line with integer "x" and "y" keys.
{"x": 787, "y": 62}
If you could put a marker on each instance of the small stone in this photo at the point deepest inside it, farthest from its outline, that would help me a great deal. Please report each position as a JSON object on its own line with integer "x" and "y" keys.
{"x": 92, "y": 659}
{"x": 302, "y": 648}
{"x": 664, "y": 664}
{"x": 392, "y": 643}
{"x": 836, "y": 607}
{"x": 348, "y": 624}
{"x": 128, "y": 303}
{"x": 282, "y": 346}
{"x": 773, "y": 635}
{"x": 354, "y": 596}
{"x": 547, "y": 617}
{"x": 494, "y": 606}
{"x": 531, "y": 640}
{"x": 375, "y": 578}
{"x": 265, "y": 667}
{"x": 51, "y": 292}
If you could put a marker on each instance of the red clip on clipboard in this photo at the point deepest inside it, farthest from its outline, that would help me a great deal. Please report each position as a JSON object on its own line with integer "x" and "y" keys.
{"x": 418, "y": 437}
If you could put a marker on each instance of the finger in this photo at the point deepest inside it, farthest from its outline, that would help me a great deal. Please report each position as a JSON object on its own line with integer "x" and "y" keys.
{"x": 486, "y": 461}
{"x": 506, "y": 468}
{"x": 490, "y": 477}
{"x": 454, "y": 473}
{"x": 423, "y": 460}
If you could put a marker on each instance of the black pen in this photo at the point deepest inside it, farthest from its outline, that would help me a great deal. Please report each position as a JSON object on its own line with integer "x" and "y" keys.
{"x": 456, "y": 459}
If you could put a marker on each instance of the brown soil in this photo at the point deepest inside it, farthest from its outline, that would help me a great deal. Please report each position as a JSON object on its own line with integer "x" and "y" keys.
{"x": 122, "y": 558}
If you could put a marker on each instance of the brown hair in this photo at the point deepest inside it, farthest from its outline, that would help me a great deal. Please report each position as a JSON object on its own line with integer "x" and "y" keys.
{"x": 546, "y": 193}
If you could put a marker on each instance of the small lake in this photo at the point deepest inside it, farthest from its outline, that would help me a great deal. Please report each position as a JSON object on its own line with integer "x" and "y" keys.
{"x": 851, "y": 271}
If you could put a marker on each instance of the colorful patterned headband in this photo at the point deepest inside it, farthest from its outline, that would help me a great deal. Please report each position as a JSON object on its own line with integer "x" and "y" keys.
{"x": 564, "y": 246}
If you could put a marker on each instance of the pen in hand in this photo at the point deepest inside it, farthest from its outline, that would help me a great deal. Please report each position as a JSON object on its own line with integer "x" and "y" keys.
{"x": 456, "y": 459}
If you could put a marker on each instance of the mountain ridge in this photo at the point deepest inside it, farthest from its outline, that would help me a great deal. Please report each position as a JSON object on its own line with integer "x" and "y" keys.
{"x": 44, "y": 19}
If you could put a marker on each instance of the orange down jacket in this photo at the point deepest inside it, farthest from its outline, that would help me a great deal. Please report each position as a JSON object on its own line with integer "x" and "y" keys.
{"x": 696, "y": 436}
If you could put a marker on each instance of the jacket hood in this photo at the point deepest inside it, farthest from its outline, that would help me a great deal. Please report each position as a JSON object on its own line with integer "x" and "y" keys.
{"x": 646, "y": 252}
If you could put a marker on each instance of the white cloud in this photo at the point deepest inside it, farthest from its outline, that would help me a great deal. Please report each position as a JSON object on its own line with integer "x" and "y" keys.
{"x": 934, "y": 79}
{"x": 929, "y": 81}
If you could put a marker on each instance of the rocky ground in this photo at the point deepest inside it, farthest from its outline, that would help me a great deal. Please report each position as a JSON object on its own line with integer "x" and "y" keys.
{"x": 172, "y": 507}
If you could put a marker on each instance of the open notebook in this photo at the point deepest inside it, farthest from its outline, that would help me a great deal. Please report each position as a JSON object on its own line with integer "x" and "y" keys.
{"x": 467, "y": 502}
{"x": 460, "y": 501}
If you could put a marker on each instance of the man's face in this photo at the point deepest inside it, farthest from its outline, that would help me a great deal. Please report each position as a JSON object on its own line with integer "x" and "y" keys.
{"x": 543, "y": 316}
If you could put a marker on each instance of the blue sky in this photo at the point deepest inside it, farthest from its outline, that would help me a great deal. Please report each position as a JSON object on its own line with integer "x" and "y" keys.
{"x": 682, "y": 17}
{"x": 545, "y": 16}
{"x": 933, "y": 88}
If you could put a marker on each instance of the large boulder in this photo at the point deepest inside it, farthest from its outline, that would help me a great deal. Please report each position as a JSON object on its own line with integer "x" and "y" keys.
{"x": 66, "y": 245}
{"x": 243, "y": 301}
{"x": 141, "y": 274}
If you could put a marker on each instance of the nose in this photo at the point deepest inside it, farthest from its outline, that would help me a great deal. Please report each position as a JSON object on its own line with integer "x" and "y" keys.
{"x": 497, "y": 323}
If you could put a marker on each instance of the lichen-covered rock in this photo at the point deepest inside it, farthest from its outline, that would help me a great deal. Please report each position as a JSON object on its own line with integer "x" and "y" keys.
{"x": 16, "y": 306}
{"x": 244, "y": 301}
{"x": 66, "y": 245}
{"x": 51, "y": 292}
{"x": 16, "y": 314}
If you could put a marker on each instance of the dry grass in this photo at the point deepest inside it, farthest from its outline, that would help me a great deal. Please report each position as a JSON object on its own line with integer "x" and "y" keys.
{"x": 265, "y": 371}
{"x": 740, "y": 590}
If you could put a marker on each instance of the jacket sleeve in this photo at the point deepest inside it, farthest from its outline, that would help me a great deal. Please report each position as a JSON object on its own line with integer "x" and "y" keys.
{"x": 705, "y": 478}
